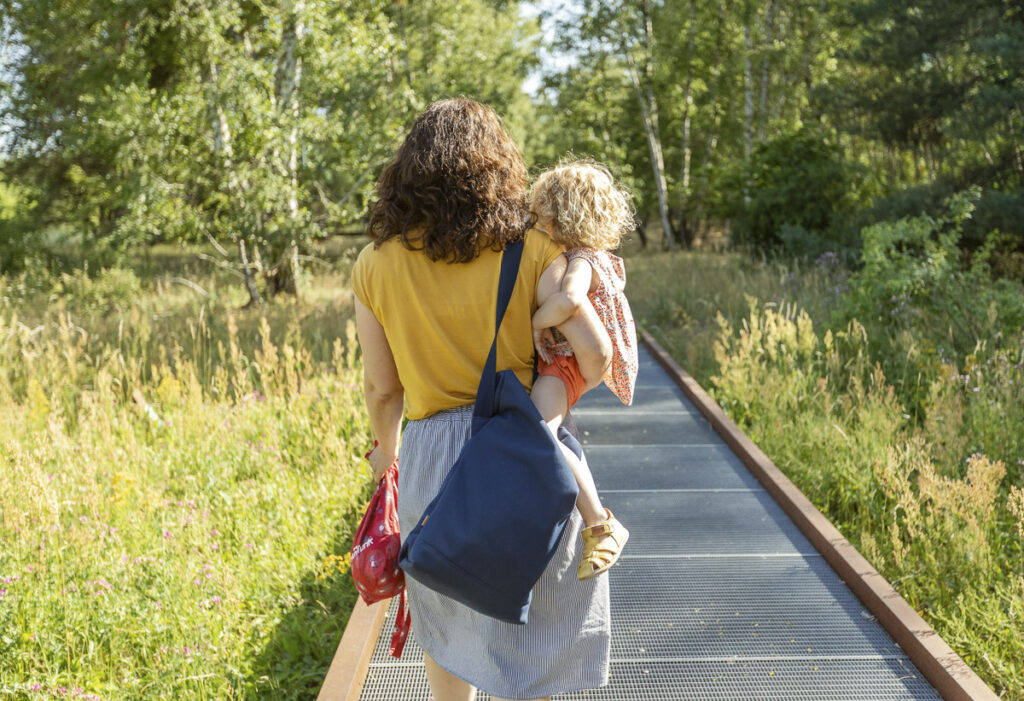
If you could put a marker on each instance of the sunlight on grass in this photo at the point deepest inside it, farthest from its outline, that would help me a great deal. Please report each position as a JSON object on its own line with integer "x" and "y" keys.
{"x": 179, "y": 485}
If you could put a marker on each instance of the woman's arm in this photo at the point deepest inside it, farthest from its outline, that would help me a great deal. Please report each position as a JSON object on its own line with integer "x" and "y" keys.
{"x": 584, "y": 330}
{"x": 384, "y": 392}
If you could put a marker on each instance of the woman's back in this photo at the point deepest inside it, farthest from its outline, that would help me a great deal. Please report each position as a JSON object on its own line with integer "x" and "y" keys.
{"x": 439, "y": 317}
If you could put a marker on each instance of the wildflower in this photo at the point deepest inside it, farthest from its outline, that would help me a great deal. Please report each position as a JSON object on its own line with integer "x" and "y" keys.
{"x": 3, "y": 592}
{"x": 250, "y": 546}
{"x": 83, "y": 519}
{"x": 167, "y": 534}
{"x": 36, "y": 687}
{"x": 214, "y": 532}
{"x": 215, "y": 600}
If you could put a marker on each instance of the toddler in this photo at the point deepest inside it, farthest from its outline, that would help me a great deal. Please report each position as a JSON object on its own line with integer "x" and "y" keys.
{"x": 580, "y": 207}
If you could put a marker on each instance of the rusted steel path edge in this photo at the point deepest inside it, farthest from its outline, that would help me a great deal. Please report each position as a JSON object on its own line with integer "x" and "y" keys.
{"x": 941, "y": 666}
{"x": 347, "y": 673}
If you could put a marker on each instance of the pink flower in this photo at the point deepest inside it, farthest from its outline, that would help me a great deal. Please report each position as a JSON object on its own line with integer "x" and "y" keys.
{"x": 167, "y": 534}
{"x": 249, "y": 546}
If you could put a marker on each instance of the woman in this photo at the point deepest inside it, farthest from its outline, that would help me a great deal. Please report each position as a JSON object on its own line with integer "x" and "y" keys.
{"x": 425, "y": 290}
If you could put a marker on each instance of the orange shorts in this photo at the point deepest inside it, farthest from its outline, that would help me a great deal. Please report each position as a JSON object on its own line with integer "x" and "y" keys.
{"x": 566, "y": 369}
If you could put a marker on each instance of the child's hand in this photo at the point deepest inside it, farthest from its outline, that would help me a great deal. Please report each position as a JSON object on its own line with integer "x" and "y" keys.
{"x": 542, "y": 338}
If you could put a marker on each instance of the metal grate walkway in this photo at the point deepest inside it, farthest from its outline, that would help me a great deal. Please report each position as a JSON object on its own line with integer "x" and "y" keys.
{"x": 718, "y": 595}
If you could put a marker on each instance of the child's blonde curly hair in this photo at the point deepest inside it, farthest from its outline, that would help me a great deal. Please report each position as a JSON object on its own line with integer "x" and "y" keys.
{"x": 589, "y": 209}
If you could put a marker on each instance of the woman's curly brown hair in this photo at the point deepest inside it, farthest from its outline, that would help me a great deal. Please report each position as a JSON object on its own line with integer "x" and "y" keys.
{"x": 456, "y": 186}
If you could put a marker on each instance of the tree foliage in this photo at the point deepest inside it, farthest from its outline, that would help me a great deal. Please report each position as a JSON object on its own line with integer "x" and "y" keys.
{"x": 256, "y": 126}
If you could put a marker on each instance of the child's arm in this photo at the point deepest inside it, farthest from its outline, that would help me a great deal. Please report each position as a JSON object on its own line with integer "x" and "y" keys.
{"x": 560, "y": 306}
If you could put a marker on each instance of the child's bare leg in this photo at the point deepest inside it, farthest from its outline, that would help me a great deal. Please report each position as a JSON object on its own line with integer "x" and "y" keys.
{"x": 551, "y": 399}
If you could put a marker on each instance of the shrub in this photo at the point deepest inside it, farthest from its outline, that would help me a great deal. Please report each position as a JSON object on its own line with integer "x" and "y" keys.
{"x": 994, "y": 210}
{"x": 797, "y": 184}
{"x": 928, "y": 504}
{"x": 112, "y": 288}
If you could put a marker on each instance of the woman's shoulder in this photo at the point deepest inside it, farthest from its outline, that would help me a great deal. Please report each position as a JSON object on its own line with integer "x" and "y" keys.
{"x": 369, "y": 272}
{"x": 538, "y": 246}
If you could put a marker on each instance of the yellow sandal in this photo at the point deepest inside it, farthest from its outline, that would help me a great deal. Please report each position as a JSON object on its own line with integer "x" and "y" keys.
{"x": 602, "y": 545}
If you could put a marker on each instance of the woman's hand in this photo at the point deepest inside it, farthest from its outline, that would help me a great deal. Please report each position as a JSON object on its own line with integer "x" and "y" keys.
{"x": 380, "y": 461}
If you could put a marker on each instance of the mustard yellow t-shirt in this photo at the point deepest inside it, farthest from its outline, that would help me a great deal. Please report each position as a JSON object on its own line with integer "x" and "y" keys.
{"x": 439, "y": 317}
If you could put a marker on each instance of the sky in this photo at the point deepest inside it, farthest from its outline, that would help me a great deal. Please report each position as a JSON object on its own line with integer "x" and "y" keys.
{"x": 549, "y": 61}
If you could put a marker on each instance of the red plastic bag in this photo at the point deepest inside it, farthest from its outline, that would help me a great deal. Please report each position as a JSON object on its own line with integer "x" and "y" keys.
{"x": 375, "y": 555}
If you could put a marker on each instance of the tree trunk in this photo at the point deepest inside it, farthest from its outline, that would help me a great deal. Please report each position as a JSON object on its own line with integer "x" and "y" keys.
{"x": 748, "y": 112}
{"x": 769, "y": 39}
{"x": 649, "y": 116}
{"x": 687, "y": 112}
{"x": 222, "y": 145}
{"x": 285, "y": 273}
{"x": 657, "y": 158}
{"x": 250, "y": 281}
{"x": 641, "y": 230}
{"x": 711, "y": 142}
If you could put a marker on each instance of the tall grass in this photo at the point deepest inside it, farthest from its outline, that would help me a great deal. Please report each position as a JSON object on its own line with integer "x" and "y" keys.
{"x": 179, "y": 485}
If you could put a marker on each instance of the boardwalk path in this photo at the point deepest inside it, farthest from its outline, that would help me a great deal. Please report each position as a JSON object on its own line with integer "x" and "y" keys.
{"x": 718, "y": 595}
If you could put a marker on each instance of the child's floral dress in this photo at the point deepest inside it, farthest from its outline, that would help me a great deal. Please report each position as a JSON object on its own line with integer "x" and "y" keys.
{"x": 609, "y": 301}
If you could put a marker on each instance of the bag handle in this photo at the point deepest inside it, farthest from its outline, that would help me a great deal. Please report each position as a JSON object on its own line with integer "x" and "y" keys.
{"x": 510, "y": 259}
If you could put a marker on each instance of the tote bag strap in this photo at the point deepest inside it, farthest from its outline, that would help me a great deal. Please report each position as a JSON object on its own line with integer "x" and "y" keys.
{"x": 510, "y": 258}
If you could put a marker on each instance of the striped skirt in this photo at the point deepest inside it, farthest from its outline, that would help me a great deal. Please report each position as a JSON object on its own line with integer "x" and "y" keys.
{"x": 565, "y": 645}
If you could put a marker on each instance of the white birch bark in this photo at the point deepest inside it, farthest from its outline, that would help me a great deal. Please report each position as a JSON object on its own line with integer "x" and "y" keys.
{"x": 649, "y": 116}
{"x": 688, "y": 98}
{"x": 288, "y": 79}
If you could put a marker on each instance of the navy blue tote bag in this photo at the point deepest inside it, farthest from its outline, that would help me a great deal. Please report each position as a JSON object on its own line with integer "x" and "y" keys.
{"x": 498, "y": 517}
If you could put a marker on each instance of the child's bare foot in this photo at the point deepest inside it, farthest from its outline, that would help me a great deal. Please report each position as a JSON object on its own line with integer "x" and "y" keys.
{"x": 602, "y": 545}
